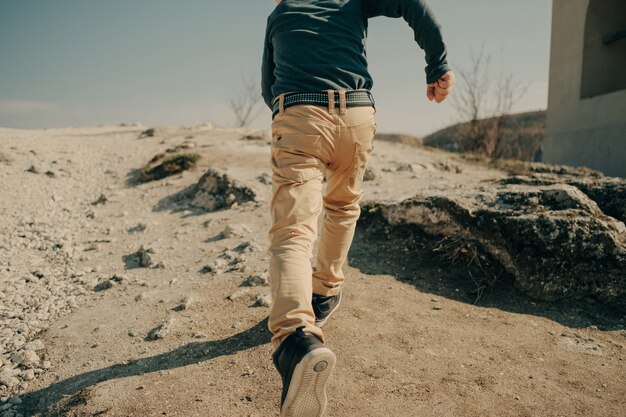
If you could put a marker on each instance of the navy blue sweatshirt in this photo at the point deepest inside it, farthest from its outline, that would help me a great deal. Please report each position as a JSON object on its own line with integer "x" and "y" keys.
{"x": 316, "y": 45}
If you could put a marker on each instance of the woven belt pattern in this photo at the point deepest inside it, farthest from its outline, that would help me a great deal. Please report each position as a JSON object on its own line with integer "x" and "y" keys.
{"x": 354, "y": 98}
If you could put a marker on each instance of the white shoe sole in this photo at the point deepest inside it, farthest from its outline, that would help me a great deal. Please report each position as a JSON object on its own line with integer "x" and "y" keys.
{"x": 307, "y": 390}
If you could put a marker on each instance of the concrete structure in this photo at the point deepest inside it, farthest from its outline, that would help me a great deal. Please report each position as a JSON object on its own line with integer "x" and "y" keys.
{"x": 586, "y": 123}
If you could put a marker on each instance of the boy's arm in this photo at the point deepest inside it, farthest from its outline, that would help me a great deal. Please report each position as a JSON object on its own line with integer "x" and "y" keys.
{"x": 426, "y": 29}
{"x": 267, "y": 71}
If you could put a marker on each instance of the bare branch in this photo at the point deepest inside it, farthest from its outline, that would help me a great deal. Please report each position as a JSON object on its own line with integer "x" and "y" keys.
{"x": 245, "y": 101}
{"x": 485, "y": 104}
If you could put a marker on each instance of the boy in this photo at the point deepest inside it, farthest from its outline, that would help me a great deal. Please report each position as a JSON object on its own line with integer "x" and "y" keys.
{"x": 315, "y": 80}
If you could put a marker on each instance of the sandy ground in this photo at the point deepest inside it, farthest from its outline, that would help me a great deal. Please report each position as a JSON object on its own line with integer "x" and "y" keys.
{"x": 409, "y": 338}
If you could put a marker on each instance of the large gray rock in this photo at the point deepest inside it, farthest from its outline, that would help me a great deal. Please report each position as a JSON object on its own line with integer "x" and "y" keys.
{"x": 555, "y": 240}
{"x": 216, "y": 191}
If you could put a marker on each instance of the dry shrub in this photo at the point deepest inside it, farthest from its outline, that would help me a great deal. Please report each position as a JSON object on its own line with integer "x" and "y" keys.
{"x": 481, "y": 269}
{"x": 163, "y": 165}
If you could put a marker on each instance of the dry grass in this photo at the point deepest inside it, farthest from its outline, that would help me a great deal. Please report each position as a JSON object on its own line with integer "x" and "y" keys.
{"x": 462, "y": 248}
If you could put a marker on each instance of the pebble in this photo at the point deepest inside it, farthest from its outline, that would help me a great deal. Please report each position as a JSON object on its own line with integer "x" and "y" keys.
{"x": 28, "y": 374}
{"x": 100, "y": 200}
{"x": 370, "y": 174}
{"x": 238, "y": 295}
{"x": 264, "y": 300}
{"x": 184, "y": 304}
{"x": 218, "y": 266}
{"x": 161, "y": 331}
{"x": 265, "y": 178}
{"x": 7, "y": 377}
{"x": 36, "y": 344}
{"x": 260, "y": 280}
{"x": 246, "y": 247}
{"x": 104, "y": 285}
{"x": 28, "y": 358}
{"x": 236, "y": 230}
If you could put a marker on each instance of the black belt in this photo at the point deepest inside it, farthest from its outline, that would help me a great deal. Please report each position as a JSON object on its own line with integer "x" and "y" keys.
{"x": 354, "y": 98}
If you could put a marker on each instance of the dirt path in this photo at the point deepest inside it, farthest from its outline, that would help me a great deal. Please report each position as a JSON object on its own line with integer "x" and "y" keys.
{"x": 409, "y": 340}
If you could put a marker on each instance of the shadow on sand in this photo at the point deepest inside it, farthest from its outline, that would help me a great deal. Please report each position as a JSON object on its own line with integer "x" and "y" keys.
{"x": 406, "y": 253}
{"x": 46, "y": 402}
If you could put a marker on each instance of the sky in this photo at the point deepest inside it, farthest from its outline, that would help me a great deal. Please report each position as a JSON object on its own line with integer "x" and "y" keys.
{"x": 158, "y": 62}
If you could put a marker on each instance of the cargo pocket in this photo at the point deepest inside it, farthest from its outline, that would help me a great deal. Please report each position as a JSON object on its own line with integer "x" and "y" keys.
{"x": 363, "y": 148}
{"x": 297, "y": 156}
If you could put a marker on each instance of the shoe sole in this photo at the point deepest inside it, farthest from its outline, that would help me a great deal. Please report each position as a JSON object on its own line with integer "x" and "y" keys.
{"x": 306, "y": 396}
{"x": 323, "y": 322}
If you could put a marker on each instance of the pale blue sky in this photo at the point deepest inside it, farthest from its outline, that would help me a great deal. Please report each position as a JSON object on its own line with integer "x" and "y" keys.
{"x": 88, "y": 62}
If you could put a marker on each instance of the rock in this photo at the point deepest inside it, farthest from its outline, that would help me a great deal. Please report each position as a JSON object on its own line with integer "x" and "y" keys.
{"x": 32, "y": 169}
{"x": 164, "y": 165}
{"x": 205, "y": 126}
{"x": 265, "y": 178}
{"x": 139, "y": 227}
{"x": 109, "y": 283}
{"x": 235, "y": 260}
{"x": 238, "y": 295}
{"x": 140, "y": 259}
{"x": 256, "y": 281}
{"x": 103, "y": 285}
{"x": 246, "y": 247}
{"x": 46, "y": 365}
{"x": 7, "y": 377}
{"x": 36, "y": 344}
{"x": 553, "y": 240}
{"x": 187, "y": 145}
{"x": 370, "y": 174}
{"x": 27, "y": 375}
{"x": 100, "y": 200}
{"x": 140, "y": 297}
{"x": 264, "y": 300}
{"x": 38, "y": 274}
{"x": 218, "y": 266}
{"x": 26, "y": 358}
{"x": 184, "y": 304}
{"x": 257, "y": 135}
{"x": 215, "y": 191}
{"x": 161, "y": 330}
{"x": 608, "y": 193}
{"x": 155, "y": 131}
{"x": 130, "y": 124}
{"x": 235, "y": 230}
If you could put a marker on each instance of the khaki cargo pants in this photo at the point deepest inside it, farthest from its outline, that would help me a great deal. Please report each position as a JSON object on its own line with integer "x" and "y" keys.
{"x": 309, "y": 143}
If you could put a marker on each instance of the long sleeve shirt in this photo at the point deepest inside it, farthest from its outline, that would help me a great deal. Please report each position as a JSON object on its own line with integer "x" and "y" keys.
{"x": 317, "y": 45}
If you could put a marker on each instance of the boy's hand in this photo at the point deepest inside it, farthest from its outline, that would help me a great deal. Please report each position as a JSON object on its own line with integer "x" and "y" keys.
{"x": 440, "y": 89}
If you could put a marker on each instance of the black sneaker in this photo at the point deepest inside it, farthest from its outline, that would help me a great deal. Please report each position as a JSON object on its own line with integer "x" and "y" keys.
{"x": 305, "y": 366}
{"x": 323, "y": 307}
